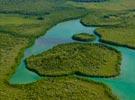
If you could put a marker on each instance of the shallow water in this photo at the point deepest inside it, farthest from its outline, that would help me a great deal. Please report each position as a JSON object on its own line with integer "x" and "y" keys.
{"x": 123, "y": 85}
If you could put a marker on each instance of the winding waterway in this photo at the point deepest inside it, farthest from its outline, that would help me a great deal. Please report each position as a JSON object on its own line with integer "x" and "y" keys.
{"x": 123, "y": 85}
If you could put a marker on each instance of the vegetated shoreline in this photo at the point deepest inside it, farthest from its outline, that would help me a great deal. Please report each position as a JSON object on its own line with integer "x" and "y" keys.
{"x": 18, "y": 60}
{"x": 94, "y": 25}
{"x": 108, "y": 90}
{"x": 106, "y": 41}
{"x": 79, "y": 73}
{"x": 111, "y": 42}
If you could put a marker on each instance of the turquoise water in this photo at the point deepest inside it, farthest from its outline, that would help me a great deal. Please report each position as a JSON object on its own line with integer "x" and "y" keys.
{"x": 123, "y": 85}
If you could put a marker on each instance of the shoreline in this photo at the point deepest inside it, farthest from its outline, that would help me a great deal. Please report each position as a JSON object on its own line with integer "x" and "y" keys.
{"x": 79, "y": 73}
{"x": 107, "y": 41}
{"x": 113, "y": 43}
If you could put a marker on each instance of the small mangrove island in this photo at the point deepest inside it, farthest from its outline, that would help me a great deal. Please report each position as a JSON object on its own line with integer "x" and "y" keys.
{"x": 77, "y": 58}
{"x": 85, "y": 37}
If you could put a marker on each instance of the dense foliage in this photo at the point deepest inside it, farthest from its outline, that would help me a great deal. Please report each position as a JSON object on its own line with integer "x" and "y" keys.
{"x": 108, "y": 5}
{"x": 31, "y": 7}
{"x": 118, "y": 36}
{"x": 77, "y": 58}
{"x": 101, "y": 19}
{"x": 11, "y": 49}
{"x": 68, "y": 88}
{"x": 85, "y": 37}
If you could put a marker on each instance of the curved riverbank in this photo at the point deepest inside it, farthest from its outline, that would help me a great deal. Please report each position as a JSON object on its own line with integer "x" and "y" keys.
{"x": 96, "y": 25}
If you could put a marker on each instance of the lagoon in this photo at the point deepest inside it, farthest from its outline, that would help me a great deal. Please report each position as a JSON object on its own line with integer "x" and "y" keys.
{"x": 122, "y": 85}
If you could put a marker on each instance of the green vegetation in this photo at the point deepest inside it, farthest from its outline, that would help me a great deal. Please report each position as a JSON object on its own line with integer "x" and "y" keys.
{"x": 110, "y": 5}
{"x": 118, "y": 36}
{"x": 84, "y": 37}
{"x": 20, "y": 26}
{"x": 101, "y": 18}
{"x": 114, "y": 25}
{"x": 11, "y": 49}
{"x": 31, "y": 7}
{"x": 68, "y": 88}
{"x": 24, "y": 26}
{"x": 109, "y": 18}
{"x": 22, "y": 21}
{"x": 122, "y": 34}
{"x": 78, "y": 58}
